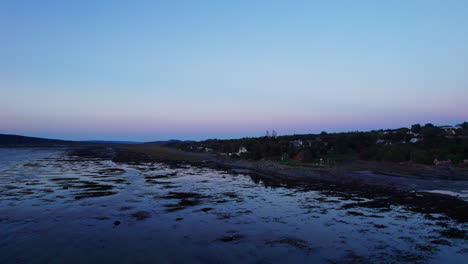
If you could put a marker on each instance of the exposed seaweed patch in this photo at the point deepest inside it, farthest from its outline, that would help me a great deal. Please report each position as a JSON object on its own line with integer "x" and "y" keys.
{"x": 169, "y": 186}
{"x": 158, "y": 182}
{"x": 118, "y": 181}
{"x": 408, "y": 256}
{"x": 431, "y": 217}
{"x": 352, "y": 258}
{"x": 160, "y": 176}
{"x": 222, "y": 216}
{"x": 355, "y": 213}
{"x": 67, "y": 179}
{"x": 325, "y": 200}
{"x": 380, "y": 226}
{"x": 370, "y": 204}
{"x": 102, "y": 218}
{"x": 291, "y": 241}
{"x": 187, "y": 202}
{"x": 453, "y": 233}
{"x": 375, "y": 216}
{"x": 93, "y": 194}
{"x": 141, "y": 215}
{"x": 230, "y": 194}
{"x": 407, "y": 239}
{"x": 111, "y": 171}
{"x": 173, "y": 208}
{"x": 441, "y": 242}
{"x": 230, "y": 238}
{"x": 183, "y": 195}
{"x": 182, "y": 204}
{"x": 33, "y": 165}
{"x": 91, "y": 186}
{"x": 427, "y": 248}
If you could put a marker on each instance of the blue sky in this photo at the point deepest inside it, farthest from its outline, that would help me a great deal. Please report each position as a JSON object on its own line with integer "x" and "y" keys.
{"x": 153, "y": 70}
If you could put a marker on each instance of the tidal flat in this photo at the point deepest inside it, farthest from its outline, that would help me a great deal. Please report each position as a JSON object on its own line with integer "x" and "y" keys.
{"x": 59, "y": 208}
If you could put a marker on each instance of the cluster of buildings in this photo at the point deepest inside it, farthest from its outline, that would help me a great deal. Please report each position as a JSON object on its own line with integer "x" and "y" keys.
{"x": 238, "y": 153}
{"x": 299, "y": 143}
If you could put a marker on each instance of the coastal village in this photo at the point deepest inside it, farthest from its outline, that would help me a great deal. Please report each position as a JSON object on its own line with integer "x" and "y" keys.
{"x": 428, "y": 144}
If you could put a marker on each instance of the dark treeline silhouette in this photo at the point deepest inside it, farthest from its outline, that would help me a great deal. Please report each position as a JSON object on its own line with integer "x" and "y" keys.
{"x": 419, "y": 144}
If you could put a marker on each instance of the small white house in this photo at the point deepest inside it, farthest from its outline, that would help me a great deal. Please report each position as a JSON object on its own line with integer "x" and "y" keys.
{"x": 415, "y": 140}
{"x": 242, "y": 150}
{"x": 450, "y": 130}
{"x": 380, "y": 141}
{"x": 412, "y": 133}
{"x": 297, "y": 143}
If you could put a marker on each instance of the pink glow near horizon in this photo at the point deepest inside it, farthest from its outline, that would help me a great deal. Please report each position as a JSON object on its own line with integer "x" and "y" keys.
{"x": 218, "y": 71}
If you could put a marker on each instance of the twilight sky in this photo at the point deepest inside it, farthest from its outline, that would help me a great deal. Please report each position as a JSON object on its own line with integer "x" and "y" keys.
{"x": 155, "y": 70}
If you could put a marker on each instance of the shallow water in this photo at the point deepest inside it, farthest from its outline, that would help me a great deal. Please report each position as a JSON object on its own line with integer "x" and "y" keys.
{"x": 59, "y": 209}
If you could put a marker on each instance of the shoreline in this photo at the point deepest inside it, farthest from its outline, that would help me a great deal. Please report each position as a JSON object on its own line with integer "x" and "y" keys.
{"x": 365, "y": 172}
{"x": 384, "y": 191}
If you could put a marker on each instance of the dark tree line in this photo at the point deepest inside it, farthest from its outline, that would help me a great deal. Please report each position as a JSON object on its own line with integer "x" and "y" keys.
{"x": 381, "y": 145}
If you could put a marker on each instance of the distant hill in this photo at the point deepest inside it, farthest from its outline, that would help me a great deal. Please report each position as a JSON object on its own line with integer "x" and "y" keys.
{"x": 168, "y": 141}
{"x": 15, "y": 140}
{"x": 111, "y": 141}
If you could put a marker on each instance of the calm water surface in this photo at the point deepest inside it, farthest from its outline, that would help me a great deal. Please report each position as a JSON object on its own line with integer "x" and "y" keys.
{"x": 60, "y": 209}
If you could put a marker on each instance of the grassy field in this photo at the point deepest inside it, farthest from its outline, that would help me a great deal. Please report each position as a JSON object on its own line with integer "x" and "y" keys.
{"x": 296, "y": 163}
{"x": 162, "y": 152}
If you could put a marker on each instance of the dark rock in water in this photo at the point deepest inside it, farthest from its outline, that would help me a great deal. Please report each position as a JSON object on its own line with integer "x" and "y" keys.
{"x": 355, "y": 213}
{"x": 453, "y": 233}
{"x": 179, "y": 219}
{"x": 207, "y": 209}
{"x": 230, "y": 238}
{"x": 441, "y": 242}
{"x": 116, "y": 223}
{"x": 141, "y": 215}
{"x": 380, "y": 226}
